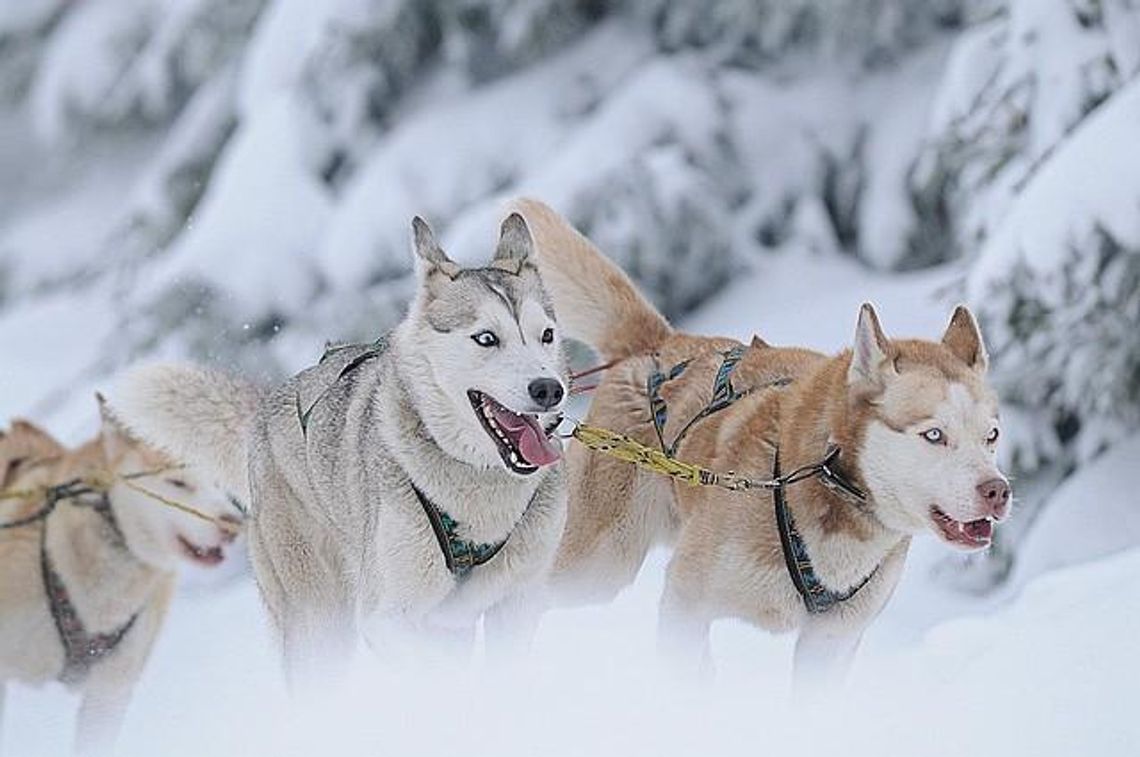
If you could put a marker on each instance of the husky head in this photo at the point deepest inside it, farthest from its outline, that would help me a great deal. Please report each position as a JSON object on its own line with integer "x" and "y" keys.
{"x": 929, "y": 427}
{"x": 157, "y": 534}
{"x": 493, "y": 376}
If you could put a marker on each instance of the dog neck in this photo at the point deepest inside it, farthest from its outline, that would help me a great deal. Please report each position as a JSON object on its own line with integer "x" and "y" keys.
{"x": 107, "y": 584}
{"x": 486, "y": 501}
{"x": 846, "y": 540}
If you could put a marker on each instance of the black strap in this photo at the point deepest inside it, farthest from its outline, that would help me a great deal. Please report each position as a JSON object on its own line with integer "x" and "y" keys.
{"x": 73, "y": 491}
{"x": 460, "y": 555}
{"x": 724, "y": 394}
{"x": 35, "y": 517}
{"x": 817, "y": 598}
{"x": 81, "y": 650}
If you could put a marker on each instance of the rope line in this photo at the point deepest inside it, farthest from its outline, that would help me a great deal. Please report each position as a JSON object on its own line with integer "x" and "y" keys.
{"x": 103, "y": 483}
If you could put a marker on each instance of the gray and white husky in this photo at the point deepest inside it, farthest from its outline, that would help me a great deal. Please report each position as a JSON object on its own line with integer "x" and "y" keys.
{"x": 404, "y": 487}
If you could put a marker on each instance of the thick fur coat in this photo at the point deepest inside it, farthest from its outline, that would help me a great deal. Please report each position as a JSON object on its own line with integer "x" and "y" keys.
{"x": 915, "y": 423}
{"x": 331, "y": 460}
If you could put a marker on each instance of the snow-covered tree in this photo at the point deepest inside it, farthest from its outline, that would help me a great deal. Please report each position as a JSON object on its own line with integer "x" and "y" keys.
{"x": 1015, "y": 88}
{"x": 1058, "y": 284}
{"x": 136, "y": 62}
{"x": 1034, "y": 111}
{"x": 761, "y": 32}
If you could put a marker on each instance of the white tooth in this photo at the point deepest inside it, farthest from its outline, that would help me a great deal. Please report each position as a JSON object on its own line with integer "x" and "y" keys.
{"x": 514, "y": 457}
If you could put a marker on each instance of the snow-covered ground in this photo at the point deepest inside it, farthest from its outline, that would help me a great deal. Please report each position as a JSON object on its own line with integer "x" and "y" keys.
{"x": 1051, "y": 674}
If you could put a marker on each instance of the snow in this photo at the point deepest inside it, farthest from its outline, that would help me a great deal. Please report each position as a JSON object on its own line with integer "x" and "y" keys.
{"x": 437, "y": 163}
{"x": 1091, "y": 515}
{"x": 282, "y": 41}
{"x": 263, "y": 201}
{"x": 1068, "y": 199}
{"x": 34, "y": 381}
{"x": 83, "y": 61}
{"x": 591, "y": 688}
{"x": 774, "y": 300}
{"x": 18, "y": 17}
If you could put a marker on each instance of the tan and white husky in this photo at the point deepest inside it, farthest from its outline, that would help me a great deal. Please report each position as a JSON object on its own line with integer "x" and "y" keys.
{"x": 85, "y": 585}
{"x": 913, "y": 421}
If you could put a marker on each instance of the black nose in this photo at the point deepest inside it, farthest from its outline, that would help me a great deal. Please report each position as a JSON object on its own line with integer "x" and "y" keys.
{"x": 547, "y": 392}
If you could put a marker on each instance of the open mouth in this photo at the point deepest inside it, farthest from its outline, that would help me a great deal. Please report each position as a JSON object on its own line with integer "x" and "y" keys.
{"x": 207, "y": 556}
{"x": 974, "y": 534}
{"x": 523, "y": 443}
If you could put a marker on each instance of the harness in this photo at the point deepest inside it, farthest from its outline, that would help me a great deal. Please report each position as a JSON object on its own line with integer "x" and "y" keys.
{"x": 460, "y": 555}
{"x": 817, "y": 597}
{"x": 370, "y": 351}
{"x": 82, "y": 650}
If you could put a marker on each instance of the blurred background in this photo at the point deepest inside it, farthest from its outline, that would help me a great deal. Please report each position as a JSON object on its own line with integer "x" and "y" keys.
{"x": 232, "y": 181}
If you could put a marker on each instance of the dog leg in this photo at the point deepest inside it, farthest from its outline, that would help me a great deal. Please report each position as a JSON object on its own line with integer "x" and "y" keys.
{"x": 609, "y": 532}
{"x": 100, "y": 718}
{"x": 302, "y": 584}
{"x": 824, "y": 652}
{"x": 108, "y": 688}
{"x": 448, "y": 648}
{"x": 683, "y": 630}
{"x": 413, "y": 645}
{"x": 317, "y": 646}
{"x": 510, "y": 626}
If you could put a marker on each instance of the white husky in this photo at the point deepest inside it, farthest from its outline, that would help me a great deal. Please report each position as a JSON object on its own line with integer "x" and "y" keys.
{"x": 409, "y": 484}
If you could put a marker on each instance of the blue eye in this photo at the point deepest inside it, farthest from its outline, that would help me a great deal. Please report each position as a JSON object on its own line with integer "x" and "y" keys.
{"x": 934, "y": 436}
{"x": 485, "y": 339}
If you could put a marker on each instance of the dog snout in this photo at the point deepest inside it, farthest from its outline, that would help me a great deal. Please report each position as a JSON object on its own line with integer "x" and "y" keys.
{"x": 994, "y": 496}
{"x": 546, "y": 392}
{"x": 231, "y": 530}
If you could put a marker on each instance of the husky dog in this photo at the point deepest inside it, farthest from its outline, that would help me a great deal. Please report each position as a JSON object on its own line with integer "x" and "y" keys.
{"x": 85, "y": 585}
{"x": 406, "y": 486}
{"x": 907, "y": 428}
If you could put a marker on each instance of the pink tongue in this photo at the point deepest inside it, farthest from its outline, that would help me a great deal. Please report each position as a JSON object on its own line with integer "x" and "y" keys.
{"x": 532, "y": 442}
{"x": 979, "y": 529}
{"x": 536, "y": 448}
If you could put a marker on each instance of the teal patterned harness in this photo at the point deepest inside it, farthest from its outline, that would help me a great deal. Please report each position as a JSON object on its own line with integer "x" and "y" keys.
{"x": 460, "y": 555}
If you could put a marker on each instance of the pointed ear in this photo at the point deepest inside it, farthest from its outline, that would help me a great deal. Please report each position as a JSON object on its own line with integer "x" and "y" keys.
{"x": 758, "y": 343}
{"x": 870, "y": 355}
{"x": 515, "y": 245}
{"x": 429, "y": 255}
{"x": 116, "y": 441}
{"x": 964, "y": 339}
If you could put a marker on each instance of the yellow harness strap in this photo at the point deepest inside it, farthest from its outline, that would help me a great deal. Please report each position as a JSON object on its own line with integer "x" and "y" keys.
{"x": 104, "y": 481}
{"x": 629, "y": 450}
